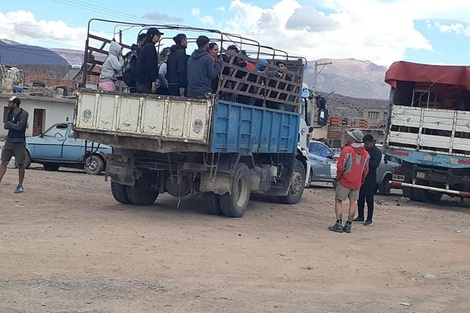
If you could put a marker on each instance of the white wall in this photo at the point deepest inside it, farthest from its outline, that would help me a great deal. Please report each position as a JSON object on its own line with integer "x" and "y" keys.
{"x": 57, "y": 110}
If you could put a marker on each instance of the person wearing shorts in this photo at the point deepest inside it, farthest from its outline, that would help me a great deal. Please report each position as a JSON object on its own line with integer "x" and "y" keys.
{"x": 15, "y": 143}
{"x": 352, "y": 168}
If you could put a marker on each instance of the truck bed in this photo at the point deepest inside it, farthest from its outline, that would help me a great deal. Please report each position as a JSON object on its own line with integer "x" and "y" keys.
{"x": 429, "y": 130}
{"x": 173, "y": 124}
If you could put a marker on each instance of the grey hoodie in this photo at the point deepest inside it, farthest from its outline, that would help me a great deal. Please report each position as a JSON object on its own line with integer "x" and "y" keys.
{"x": 202, "y": 69}
{"x": 112, "y": 65}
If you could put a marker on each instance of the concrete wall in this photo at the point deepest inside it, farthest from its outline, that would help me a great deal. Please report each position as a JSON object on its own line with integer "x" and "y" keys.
{"x": 56, "y": 110}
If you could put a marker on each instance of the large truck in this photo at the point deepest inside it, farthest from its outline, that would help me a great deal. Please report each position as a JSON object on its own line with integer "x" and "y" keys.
{"x": 428, "y": 129}
{"x": 249, "y": 136}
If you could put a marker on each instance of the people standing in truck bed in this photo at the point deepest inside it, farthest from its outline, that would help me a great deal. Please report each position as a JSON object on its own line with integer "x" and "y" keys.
{"x": 202, "y": 69}
{"x": 177, "y": 66}
{"x": 111, "y": 66}
{"x": 147, "y": 63}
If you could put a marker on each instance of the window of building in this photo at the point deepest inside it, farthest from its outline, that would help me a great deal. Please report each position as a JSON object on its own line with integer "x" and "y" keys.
{"x": 373, "y": 115}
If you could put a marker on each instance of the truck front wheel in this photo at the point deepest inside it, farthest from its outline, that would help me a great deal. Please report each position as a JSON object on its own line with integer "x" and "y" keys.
{"x": 297, "y": 185}
{"x": 235, "y": 202}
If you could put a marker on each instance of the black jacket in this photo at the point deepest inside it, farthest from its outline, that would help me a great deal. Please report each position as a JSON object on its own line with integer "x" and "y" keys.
{"x": 374, "y": 162}
{"x": 146, "y": 70}
{"x": 16, "y": 126}
{"x": 177, "y": 65}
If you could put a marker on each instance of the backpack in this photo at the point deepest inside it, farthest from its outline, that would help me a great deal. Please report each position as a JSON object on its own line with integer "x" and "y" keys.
{"x": 129, "y": 68}
{"x": 162, "y": 81}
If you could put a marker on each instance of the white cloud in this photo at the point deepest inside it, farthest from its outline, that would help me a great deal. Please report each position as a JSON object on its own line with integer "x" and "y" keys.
{"x": 22, "y": 26}
{"x": 205, "y": 20}
{"x": 380, "y": 31}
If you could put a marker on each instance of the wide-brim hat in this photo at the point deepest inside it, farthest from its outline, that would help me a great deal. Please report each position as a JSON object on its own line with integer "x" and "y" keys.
{"x": 355, "y": 134}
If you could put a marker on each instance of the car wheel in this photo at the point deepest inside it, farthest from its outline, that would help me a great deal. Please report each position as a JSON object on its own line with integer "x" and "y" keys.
{"x": 384, "y": 187}
{"x": 297, "y": 185}
{"x": 51, "y": 167}
{"x": 310, "y": 178}
{"x": 94, "y": 165}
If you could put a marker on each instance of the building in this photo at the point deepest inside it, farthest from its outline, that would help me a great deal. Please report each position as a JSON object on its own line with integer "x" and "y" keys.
{"x": 43, "y": 112}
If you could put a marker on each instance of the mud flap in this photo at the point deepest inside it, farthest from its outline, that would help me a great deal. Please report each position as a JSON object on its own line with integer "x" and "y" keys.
{"x": 121, "y": 170}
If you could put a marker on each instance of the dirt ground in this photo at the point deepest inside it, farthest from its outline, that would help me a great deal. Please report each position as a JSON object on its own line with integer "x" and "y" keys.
{"x": 67, "y": 246}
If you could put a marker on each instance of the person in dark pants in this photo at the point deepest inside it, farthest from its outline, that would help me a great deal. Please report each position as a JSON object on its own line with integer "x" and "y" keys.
{"x": 146, "y": 72}
{"x": 367, "y": 191}
{"x": 15, "y": 144}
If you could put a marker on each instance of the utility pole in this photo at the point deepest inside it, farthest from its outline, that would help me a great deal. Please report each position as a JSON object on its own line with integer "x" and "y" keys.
{"x": 317, "y": 64}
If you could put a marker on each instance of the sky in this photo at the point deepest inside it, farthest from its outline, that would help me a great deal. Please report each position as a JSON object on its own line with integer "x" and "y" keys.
{"x": 381, "y": 31}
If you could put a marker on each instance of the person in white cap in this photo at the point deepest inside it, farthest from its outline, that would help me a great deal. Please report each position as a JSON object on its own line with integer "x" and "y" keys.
{"x": 15, "y": 144}
{"x": 352, "y": 168}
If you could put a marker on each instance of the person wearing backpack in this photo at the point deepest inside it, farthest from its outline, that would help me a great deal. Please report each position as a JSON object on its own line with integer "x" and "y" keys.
{"x": 111, "y": 66}
{"x": 130, "y": 61}
{"x": 146, "y": 71}
{"x": 177, "y": 66}
{"x": 162, "y": 81}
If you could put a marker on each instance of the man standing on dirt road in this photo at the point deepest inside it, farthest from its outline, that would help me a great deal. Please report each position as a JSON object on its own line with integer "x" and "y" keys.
{"x": 353, "y": 165}
{"x": 367, "y": 191}
{"x": 15, "y": 143}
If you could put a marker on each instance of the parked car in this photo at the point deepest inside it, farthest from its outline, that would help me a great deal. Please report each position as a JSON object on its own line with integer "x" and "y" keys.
{"x": 57, "y": 147}
{"x": 323, "y": 162}
{"x": 388, "y": 167}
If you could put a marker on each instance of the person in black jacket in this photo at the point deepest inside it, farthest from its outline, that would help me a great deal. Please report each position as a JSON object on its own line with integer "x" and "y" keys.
{"x": 146, "y": 72}
{"x": 177, "y": 66}
{"x": 367, "y": 191}
{"x": 15, "y": 143}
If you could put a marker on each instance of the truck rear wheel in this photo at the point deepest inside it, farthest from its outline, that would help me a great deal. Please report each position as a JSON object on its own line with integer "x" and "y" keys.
{"x": 212, "y": 202}
{"x": 235, "y": 202}
{"x": 119, "y": 193}
{"x": 297, "y": 185}
{"x": 142, "y": 192}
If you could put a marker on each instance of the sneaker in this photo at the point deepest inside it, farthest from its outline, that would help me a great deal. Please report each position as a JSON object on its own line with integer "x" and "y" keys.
{"x": 19, "y": 189}
{"x": 347, "y": 227}
{"x": 368, "y": 223}
{"x": 358, "y": 219}
{"x": 337, "y": 227}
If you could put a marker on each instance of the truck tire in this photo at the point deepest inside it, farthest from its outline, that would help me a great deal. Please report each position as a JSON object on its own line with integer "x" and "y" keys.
{"x": 119, "y": 193}
{"x": 432, "y": 196}
{"x": 94, "y": 165}
{"x": 212, "y": 202}
{"x": 297, "y": 185}
{"x": 141, "y": 193}
{"x": 384, "y": 187}
{"x": 235, "y": 202}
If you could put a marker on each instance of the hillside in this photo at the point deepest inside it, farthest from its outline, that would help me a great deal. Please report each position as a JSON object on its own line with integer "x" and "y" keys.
{"x": 15, "y": 53}
{"x": 349, "y": 77}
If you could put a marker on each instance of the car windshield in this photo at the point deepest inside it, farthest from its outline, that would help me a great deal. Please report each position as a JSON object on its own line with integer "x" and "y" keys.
{"x": 59, "y": 130}
{"x": 320, "y": 149}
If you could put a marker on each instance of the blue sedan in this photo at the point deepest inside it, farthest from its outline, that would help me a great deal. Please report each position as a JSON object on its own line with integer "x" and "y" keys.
{"x": 57, "y": 147}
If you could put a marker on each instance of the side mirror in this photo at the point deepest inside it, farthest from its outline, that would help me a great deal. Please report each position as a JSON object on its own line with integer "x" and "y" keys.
{"x": 322, "y": 117}
{"x": 310, "y": 129}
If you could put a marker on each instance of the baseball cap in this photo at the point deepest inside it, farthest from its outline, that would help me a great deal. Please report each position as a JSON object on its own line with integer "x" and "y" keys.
{"x": 153, "y": 31}
{"x": 14, "y": 99}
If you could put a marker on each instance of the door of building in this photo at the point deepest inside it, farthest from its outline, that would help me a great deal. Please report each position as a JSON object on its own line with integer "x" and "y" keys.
{"x": 38, "y": 121}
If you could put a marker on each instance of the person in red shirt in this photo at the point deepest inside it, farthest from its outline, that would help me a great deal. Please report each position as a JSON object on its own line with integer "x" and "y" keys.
{"x": 353, "y": 165}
